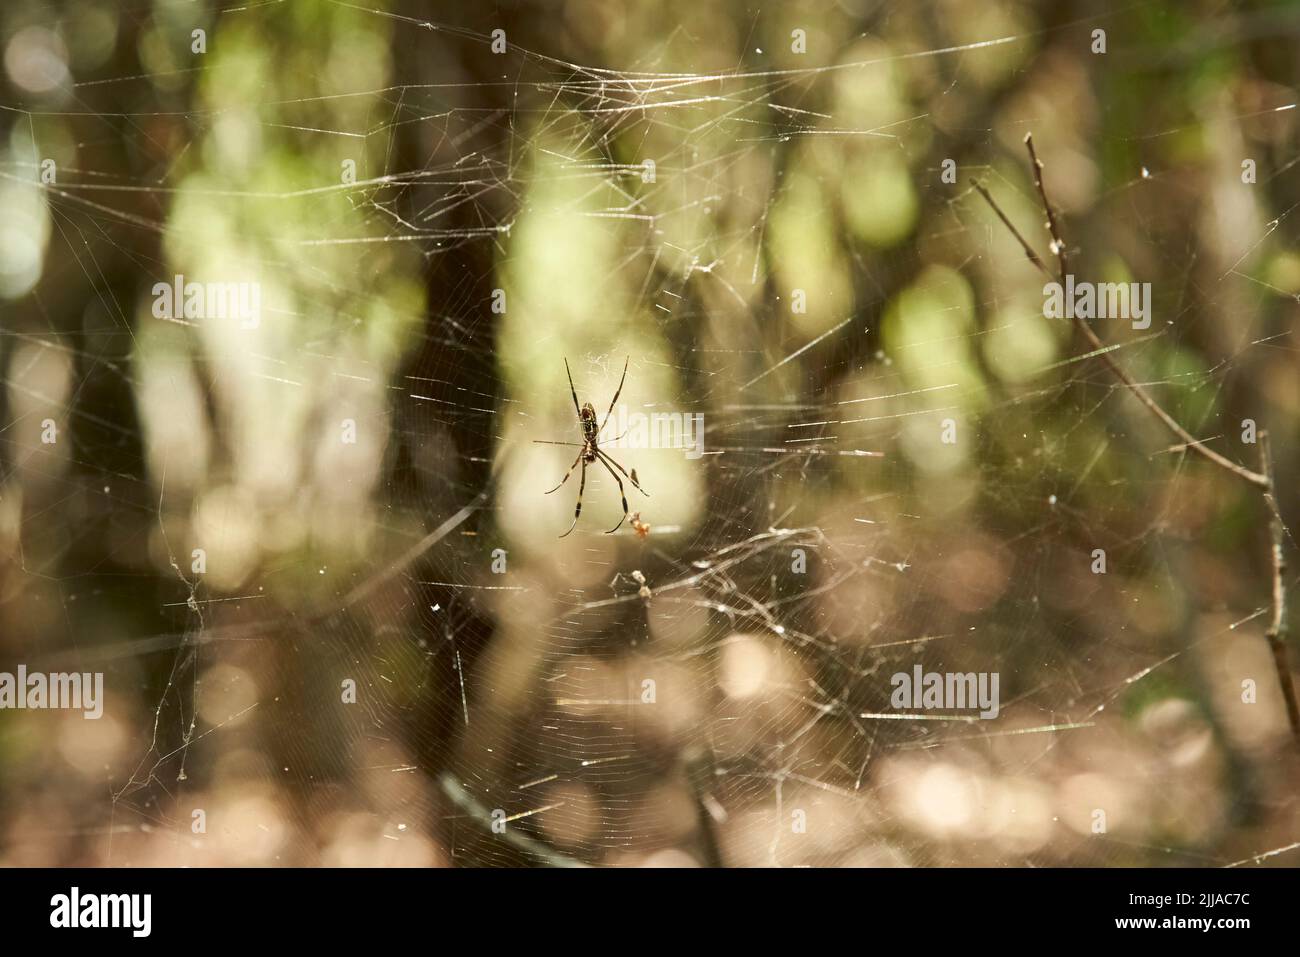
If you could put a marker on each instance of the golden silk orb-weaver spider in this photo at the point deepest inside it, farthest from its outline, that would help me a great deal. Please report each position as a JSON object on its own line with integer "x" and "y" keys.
{"x": 591, "y": 452}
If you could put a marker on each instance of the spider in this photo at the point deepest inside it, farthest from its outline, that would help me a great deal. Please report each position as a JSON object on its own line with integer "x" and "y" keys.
{"x": 591, "y": 452}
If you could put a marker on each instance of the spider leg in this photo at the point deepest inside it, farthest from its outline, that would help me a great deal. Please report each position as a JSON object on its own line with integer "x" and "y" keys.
{"x": 621, "y": 492}
{"x": 577, "y": 510}
{"x": 635, "y": 484}
{"x": 616, "y": 394}
{"x": 576, "y": 445}
{"x": 572, "y": 391}
{"x": 568, "y": 473}
{"x": 617, "y": 438}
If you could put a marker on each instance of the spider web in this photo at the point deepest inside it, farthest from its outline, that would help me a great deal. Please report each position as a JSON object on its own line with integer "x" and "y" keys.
{"x": 795, "y": 268}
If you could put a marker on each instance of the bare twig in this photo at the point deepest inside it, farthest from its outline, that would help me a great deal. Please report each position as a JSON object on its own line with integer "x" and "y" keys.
{"x": 1190, "y": 441}
{"x": 1024, "y": 243}
{"x": 1276, "y": 633}
{"x": 1257, "y": 479}
{"x": 1262, "y": 480}
{"x": 1053, "y": 227}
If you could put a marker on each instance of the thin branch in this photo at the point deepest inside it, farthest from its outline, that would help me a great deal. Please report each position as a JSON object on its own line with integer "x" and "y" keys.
{"x": 1277, "y": 631}
{"x": 1053, "y": 227}
{"x": 1262, "y": 480}
{"x": 1024, "y": 244}
{"x": 1257, "y": 479}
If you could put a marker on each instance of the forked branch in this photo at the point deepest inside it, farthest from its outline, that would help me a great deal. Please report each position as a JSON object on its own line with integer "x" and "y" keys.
{"x": 1261, "y": 480}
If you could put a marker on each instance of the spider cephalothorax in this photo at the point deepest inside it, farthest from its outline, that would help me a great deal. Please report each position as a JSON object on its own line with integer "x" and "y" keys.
{"x": 591, "y": 452}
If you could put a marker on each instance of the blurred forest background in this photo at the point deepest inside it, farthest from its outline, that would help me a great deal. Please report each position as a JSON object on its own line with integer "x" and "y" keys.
{"x": 796, "y": 267}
